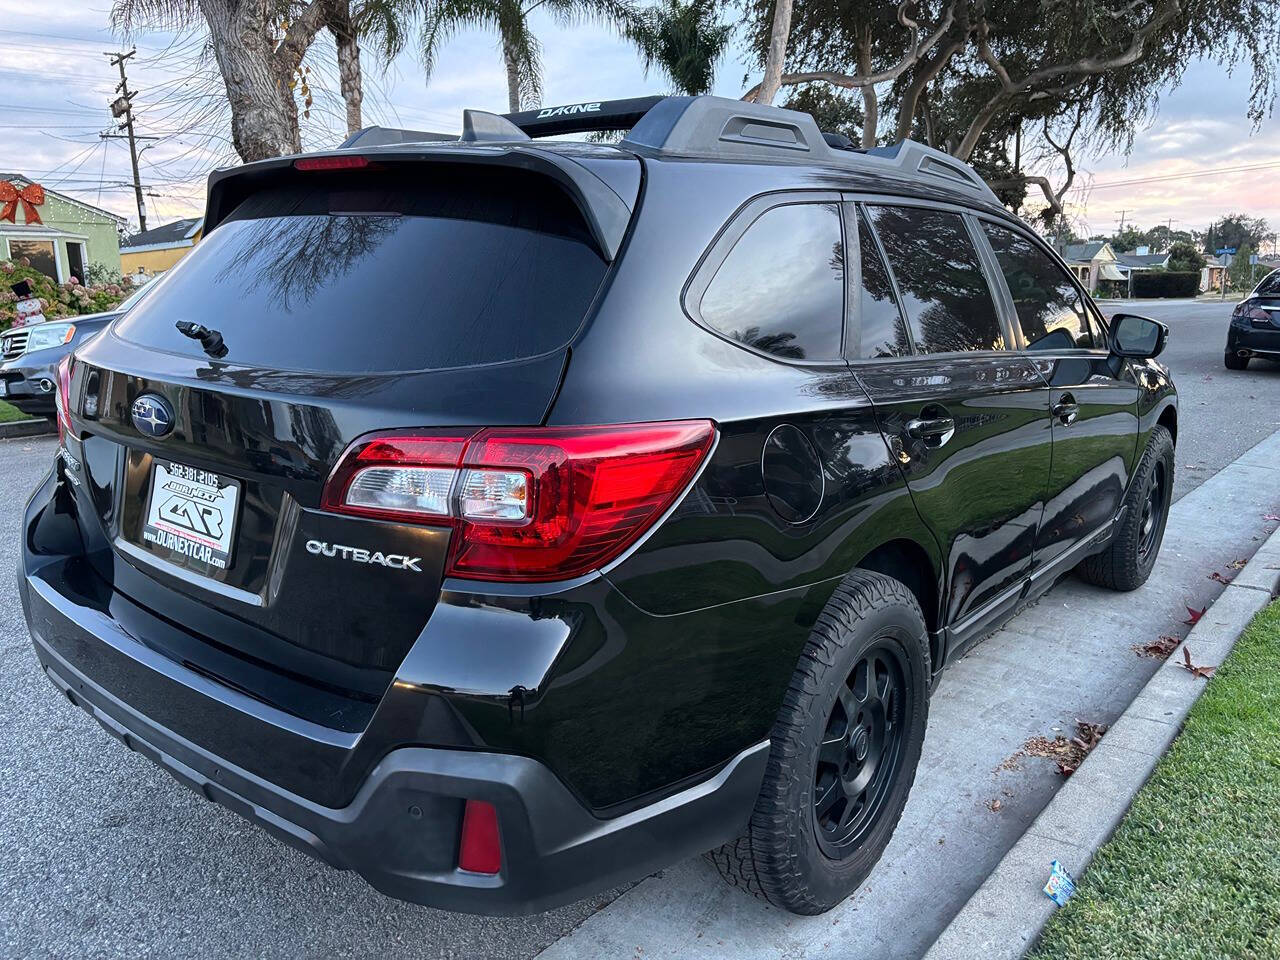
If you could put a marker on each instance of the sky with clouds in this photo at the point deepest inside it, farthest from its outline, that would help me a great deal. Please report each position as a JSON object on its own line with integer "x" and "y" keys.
{"x": 1199, "y": 158}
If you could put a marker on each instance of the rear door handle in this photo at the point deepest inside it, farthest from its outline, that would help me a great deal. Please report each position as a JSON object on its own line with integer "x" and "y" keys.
{"x": 1066, "y": 410}
{"x": 934, "y": 431}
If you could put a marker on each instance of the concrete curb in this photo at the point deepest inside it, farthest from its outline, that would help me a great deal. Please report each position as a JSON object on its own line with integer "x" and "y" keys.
{"x": 1005, "y": 916}
{"x": 25, "y": 428}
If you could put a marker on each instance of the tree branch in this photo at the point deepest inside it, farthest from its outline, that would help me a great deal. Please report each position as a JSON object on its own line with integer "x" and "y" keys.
{"x": 1075, "y": 72}
{"x": 856, "y": 81}
{"x": 297, "y": 38}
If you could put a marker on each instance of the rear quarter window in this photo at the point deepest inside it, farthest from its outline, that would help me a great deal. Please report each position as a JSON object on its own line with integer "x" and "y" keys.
{"x": 780, "y": 290}
{"x": 446, "y": 267}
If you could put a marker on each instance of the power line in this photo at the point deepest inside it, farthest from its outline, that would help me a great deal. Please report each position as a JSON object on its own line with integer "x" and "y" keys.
{"x": 1183, "y": 176}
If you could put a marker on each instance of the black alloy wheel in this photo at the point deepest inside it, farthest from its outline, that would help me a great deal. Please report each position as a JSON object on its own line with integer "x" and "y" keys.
{"x": 1154, "y": 505}
{"x": 861, "y": 751}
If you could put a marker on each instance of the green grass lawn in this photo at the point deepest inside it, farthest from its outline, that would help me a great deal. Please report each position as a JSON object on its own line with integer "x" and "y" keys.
{"x": 9, "y": 412}
{"x": 1194, "y": 869}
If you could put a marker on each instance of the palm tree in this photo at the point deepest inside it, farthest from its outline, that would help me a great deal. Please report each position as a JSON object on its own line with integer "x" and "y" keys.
{"x": 521, "y": 52}
{"x": 684, "y": 40}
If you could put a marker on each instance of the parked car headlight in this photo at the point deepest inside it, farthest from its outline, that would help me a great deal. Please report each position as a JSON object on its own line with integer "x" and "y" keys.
{"x": 47, "y": 335}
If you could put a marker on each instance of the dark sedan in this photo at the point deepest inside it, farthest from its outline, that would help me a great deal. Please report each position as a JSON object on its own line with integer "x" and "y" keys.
{"x": 29, "y": 355}
{"x": 1255, "y": 325}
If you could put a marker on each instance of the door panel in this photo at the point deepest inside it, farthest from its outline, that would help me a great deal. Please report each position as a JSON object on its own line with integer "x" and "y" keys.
{"x": 1095, "y": 439}
{"x": 1093, "y": 397}
{"x": 980, "y": 481}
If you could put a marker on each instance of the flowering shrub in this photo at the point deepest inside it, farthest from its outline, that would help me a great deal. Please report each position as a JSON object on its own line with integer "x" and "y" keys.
{"x": 68, "y": 299}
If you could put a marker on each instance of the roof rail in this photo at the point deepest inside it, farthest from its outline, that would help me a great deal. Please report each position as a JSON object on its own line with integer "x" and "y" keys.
{"x": 702, "y": 127}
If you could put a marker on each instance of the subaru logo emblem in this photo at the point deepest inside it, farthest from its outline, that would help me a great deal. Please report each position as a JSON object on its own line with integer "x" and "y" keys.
{"x": 152, "y": 415}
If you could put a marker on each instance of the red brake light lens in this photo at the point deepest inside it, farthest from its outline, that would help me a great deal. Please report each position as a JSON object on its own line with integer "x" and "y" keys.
{"x": 63, "y": 398}
{"x": 526, "y": 504}
{"x": 331, "y": 163}
{"x": 481, "y": 847}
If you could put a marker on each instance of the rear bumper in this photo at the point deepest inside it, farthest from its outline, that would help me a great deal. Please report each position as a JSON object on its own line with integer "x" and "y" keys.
{"x": 29, "y": 385}
{"x": 1254, "y": 341}
{"x": 401, "y": 830}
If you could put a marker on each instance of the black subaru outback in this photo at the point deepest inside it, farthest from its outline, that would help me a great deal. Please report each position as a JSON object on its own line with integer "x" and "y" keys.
{"x": 505, "y": 519}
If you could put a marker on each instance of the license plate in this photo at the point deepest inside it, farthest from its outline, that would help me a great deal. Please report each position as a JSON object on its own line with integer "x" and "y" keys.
{"x": 192, "y": 514}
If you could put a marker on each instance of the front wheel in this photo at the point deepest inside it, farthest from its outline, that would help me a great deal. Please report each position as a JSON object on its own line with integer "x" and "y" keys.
{"x": 1127, "y": 561}
{"x": 844, "y": 751}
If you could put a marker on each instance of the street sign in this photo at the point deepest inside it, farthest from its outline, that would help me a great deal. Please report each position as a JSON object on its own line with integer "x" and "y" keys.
{"x": 1222, "y": 250}
{"x": 1253, "y": 259}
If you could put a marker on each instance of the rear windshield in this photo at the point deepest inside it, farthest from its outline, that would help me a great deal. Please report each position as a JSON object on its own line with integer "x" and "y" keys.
{"x": 1270, "y": 285}
{"x": 377, "y": 272}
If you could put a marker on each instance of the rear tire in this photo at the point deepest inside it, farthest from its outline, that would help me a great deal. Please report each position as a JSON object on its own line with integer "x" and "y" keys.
{"x": 1233, "y": 361}
{"x": 1127, "y": 561}
{"x": 844, "y": 751}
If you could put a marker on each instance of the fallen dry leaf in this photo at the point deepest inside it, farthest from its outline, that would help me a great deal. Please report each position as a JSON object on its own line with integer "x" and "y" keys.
{"x": 1219, "y": 577}
{"x": 1195, "y": 615}
{"x": 1158, "y": 649}
{"x": 1270, "y": 516}
{"x": 994, "y": 805}
{"x": 1067, "y": 752}
{"x": 1200, "y": 673}
{"x": 1237, "y": 564}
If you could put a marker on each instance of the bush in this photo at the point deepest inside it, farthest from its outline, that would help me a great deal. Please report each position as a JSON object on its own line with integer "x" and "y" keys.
{"x": 1166, "y": 284}
{"x": 69, "y": 299}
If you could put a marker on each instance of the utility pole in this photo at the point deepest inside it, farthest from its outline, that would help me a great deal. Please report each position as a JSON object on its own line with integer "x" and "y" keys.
{"x": 1122, "y": 213}
{"x": 122, "y": 106}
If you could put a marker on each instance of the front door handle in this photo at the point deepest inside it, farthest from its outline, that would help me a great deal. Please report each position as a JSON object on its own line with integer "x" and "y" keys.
{"x": 1066, "y": 410}
{"x": 934, "y": 431}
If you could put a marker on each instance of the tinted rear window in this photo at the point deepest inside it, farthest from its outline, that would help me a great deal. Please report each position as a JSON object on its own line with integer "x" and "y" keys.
{"x": 1270, "y": 285}
{"x": 386, "y": 272}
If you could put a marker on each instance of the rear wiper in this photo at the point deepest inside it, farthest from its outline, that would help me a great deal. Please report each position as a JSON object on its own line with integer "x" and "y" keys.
{"x": 210, "y": 340}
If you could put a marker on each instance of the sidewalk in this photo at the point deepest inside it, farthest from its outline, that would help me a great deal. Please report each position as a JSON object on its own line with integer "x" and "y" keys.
{"x": 1068, "y": 657}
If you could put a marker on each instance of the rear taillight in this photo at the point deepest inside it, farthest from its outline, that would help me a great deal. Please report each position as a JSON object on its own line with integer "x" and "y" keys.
{"x": 526, "y": 504}
{"x": 63, "y": 398}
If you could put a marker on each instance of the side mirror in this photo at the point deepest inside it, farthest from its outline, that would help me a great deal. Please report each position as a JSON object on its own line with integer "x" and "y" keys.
{"x": 1137, "y": 338}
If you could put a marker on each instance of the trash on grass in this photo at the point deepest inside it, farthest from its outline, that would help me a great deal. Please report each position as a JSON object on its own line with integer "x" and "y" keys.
{"x": 1060, "y": 886}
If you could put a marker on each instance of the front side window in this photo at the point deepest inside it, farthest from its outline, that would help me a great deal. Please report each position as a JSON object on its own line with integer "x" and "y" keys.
{"x": 880, "y": 322}
{"x": 1050, "y": 309}
{"x": 781, "y": 288}
{"x": 940, "y": 278}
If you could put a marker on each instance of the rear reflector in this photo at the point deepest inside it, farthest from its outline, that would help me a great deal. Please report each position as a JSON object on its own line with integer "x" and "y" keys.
{"x": 526, "y": 504}
{"x": 481, "y": 848}
{"x": 331, "y": 163}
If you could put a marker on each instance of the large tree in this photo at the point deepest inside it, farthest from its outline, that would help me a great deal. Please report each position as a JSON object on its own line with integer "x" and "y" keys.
{"x": 1008, "y": 85}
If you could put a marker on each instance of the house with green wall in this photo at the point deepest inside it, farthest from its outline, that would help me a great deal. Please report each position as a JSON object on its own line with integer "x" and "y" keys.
{"x": 60, "y": 235}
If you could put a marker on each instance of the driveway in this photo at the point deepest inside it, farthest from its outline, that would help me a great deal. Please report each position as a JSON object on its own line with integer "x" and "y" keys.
{"x": 102, "y": 854}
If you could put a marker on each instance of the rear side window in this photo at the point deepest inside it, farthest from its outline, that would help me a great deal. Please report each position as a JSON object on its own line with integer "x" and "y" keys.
{"x": 1050, "y": 310}
{"x": 781, "y": 288}
{"x": 448, "y": 267}
{"x": 944, "y": 290}
{"x": 883, "y": 331}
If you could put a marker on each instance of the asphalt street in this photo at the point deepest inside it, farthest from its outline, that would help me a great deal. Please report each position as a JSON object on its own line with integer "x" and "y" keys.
{"x": 103, "y": 855}
{"x": 1222, "y": 412}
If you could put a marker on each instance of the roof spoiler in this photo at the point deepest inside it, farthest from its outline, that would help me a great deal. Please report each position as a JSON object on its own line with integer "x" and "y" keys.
{"x": 605, "y": 212}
